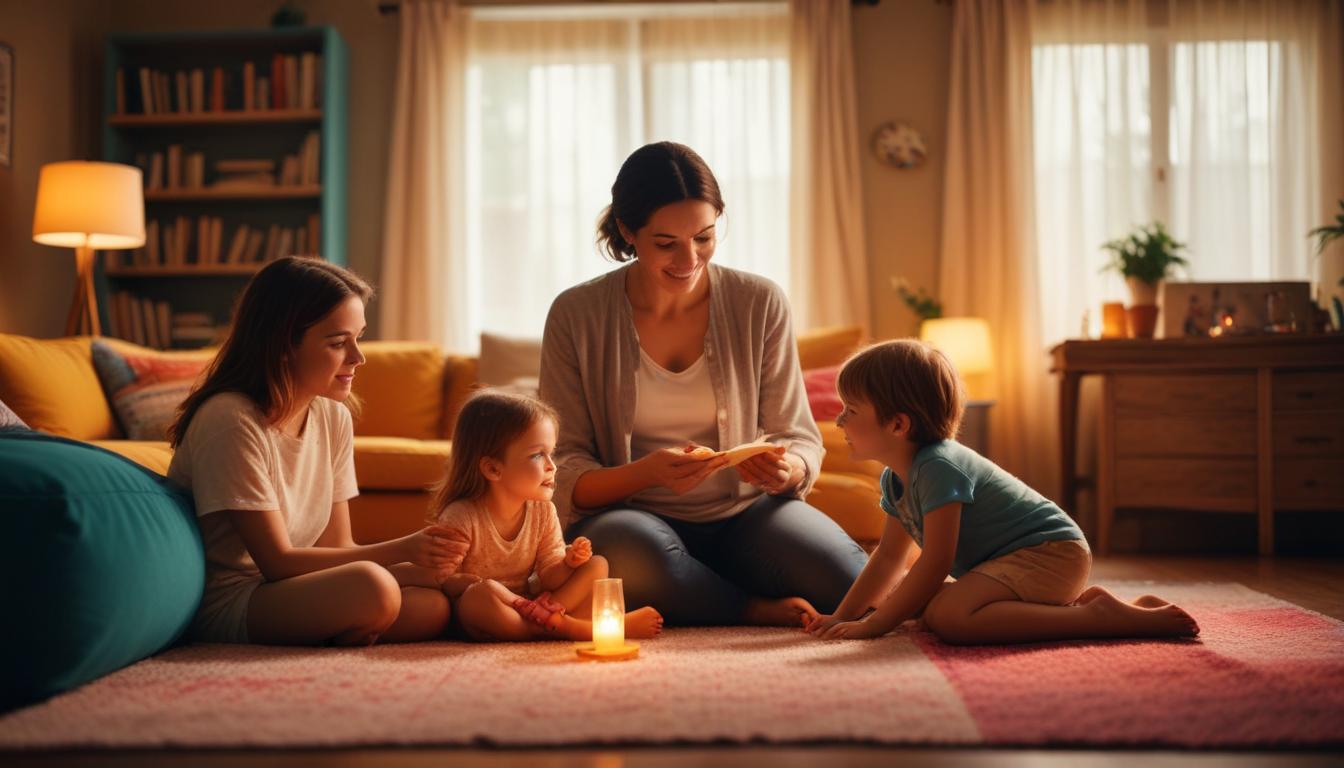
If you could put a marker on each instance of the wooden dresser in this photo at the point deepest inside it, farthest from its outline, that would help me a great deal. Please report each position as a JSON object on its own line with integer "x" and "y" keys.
{"x": 1248, "y": 425}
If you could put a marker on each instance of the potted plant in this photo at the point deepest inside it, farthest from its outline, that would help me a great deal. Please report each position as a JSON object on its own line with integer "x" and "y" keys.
{"x": 1323, "y": 237}
{"x": 1145, "y": 258}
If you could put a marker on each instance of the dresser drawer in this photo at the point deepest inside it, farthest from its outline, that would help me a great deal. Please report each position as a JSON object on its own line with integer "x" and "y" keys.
{"x": 1309, "y": 391}
{"x": 1143, "y": 394}
{"x": 1194, "y": 435}
{"x": 1309, "y": 434}
{"x": 1309, "y": 484}
{"x": 1212, "y": 484}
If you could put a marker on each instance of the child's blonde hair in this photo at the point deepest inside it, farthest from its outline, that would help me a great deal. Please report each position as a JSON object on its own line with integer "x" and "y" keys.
{"x": 488, "y": 422}
{"x": 910, "y": 377}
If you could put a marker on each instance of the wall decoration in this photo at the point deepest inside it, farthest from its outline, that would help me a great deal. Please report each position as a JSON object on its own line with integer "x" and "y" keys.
{"x": 6, "y": 104}
{"x": 899, "y": 145}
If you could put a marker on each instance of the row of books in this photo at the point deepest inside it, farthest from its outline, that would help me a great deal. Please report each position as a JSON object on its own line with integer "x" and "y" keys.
{"x": 154, "y": 324}
{"x": 175, "y": 168}
{"x": 180, "y": 242}
{"x": 294, "y": 82}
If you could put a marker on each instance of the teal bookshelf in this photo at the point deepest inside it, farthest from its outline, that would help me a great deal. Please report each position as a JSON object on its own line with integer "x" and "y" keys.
{"x": 219, "y": 123}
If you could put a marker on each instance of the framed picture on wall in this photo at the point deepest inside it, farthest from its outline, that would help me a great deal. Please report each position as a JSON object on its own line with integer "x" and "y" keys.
{"x": 6, "y": 104}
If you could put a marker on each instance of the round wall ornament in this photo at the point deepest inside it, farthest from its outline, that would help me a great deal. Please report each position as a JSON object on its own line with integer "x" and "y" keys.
{"x": 899, "y": 145}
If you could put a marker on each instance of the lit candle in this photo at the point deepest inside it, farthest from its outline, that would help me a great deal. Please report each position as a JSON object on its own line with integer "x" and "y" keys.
{"x": 608, "y": 615}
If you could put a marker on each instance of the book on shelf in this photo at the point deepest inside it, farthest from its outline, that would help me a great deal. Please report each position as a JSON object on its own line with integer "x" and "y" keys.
{"x": 249, "y": 86}
{"x": 294, "y": 82}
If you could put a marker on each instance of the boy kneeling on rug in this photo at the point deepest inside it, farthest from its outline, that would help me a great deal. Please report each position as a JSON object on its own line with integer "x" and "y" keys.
{"x": 1019, "y": 561}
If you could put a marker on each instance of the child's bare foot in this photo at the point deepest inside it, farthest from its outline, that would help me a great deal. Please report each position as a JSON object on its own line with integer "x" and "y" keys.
{"x": 784, "y": 612}
{"x": 1131, "y": 620}
{"x": 1092, "y": 593}
{"x": 643, "y": 623}
{"x": 1150, "y": 601}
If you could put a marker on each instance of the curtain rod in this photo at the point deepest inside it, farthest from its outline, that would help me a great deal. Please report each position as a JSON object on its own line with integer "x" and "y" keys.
{"x": 386, "y": 7}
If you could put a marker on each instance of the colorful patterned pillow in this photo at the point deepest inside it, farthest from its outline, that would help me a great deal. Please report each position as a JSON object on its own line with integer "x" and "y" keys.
{"x": 145, "y": 390}
{"x": 821, "y": 395}
{"x": 9, "y": 419}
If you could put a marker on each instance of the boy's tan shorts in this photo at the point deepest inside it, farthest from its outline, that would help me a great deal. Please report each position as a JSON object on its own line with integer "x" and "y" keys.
{"x": 1053, "y": 573}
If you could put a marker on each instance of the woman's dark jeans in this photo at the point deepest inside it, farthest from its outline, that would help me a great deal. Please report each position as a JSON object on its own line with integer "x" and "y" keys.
{"x": 704, "y": 573}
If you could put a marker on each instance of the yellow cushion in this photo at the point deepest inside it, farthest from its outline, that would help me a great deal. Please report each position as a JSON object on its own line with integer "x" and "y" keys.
{"x": 51, "y": 384}
{"x": 400, "y": 388}
{"x": 825, "y": 347}
{"x": 851, "y": 501}
{"x": 154, "y": 454}
{"x": 398, "y": 463}
{"x": 381, "y": 515}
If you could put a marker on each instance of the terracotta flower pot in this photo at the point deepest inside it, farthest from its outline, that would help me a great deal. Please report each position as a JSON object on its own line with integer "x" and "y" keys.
{"x": 1142, "y": 321}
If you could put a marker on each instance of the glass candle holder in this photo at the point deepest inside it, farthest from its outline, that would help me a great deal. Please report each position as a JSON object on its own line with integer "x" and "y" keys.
{"x": 608, "y": 615}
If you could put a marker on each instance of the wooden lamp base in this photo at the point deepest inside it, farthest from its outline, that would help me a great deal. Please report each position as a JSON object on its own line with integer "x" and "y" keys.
{"x": 83, "y": 316}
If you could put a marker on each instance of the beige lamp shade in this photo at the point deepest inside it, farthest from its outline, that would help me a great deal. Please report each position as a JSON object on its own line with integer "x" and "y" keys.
{"x": 965, "y": 341}
{"x": 91, "y": 205}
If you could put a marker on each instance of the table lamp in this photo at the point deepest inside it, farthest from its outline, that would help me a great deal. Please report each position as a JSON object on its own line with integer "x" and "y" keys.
{"x": 88, "y": 206}
{"x": 965, "y": 341}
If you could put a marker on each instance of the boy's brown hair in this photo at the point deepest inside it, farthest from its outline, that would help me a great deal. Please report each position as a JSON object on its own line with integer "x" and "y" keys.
{"x": 910, "y": 377}
{"x": 488, "y": 422}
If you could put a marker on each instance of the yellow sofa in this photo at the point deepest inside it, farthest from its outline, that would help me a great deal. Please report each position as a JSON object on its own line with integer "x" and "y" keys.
{"x": 410, "y": 393}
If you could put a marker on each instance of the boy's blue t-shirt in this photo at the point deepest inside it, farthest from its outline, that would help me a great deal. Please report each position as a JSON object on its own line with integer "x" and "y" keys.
{"x": 999, "y": 513}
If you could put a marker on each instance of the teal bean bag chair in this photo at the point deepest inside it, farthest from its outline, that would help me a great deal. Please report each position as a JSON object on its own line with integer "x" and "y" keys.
{"x": 102, "y": 564}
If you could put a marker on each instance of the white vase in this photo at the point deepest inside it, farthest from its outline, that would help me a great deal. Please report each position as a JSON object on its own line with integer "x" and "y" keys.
{"x": 1142, "y": 293}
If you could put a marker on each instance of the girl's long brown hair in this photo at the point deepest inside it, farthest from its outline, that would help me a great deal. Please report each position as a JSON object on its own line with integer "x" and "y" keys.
{"x": 488, "y": 422}
{"x": 283, "y": 300}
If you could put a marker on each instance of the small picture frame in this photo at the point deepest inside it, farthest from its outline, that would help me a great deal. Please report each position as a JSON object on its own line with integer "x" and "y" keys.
{"x": 6, "y": 105}
{"x": 1233, "y": 308}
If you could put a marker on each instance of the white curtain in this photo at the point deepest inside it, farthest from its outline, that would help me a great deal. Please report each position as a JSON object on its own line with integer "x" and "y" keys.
{"x": 1204, "y": 114}
{"x": 556, "y": 98}
{"x": 419, "y": 285}
{"x": 987, "y": 265}
{"x": 830, "y": 269}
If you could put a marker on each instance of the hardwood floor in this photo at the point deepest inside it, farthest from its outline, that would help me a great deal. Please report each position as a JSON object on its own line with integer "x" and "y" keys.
{"x": 1317, "y": 584}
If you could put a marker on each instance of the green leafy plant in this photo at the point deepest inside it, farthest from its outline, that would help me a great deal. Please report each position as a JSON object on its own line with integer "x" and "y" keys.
{"x": 1149, "y": 254}
{"x": 1328, "y": 233}
{"x": 917, "y": 300}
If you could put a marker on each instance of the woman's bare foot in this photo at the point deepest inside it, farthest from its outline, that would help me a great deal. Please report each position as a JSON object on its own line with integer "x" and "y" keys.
{"x": 1129, "y": 620}
{"x": 784, "y": 612}
{"x": 643, "y": 623}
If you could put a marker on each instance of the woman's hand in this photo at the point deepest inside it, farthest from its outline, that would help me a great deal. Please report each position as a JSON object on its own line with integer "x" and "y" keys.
{"x": 774, "y": 472}
{"x": 676, "y": 470}
{"x": 435, "y": 546}
{"x": 578, "y": 552}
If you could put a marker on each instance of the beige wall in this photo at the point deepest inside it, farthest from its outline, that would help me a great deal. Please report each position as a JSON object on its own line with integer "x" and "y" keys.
{"x": 57, "y": 65}
{"x": 901, "y": 56}
{"x": 901, "y": 74}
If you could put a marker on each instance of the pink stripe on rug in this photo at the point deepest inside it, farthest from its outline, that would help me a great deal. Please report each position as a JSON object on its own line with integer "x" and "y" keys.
{"x": 1263, "y": 673}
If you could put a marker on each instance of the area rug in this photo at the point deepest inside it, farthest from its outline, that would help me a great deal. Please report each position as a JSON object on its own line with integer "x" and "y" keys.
{"x": 1264, "y": 673}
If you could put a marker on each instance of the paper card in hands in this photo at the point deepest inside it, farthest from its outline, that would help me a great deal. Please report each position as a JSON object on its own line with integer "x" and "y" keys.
{"x": 735, "y": 455}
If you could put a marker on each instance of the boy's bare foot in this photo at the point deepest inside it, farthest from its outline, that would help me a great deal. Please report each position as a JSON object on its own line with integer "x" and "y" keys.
{"x": 1150, "y": 601}
{"x": 643, "y": 623}
{"x": 1092, "y": 593}
{"x": 784, "y": 612}
{"x": 1130, "y": 620}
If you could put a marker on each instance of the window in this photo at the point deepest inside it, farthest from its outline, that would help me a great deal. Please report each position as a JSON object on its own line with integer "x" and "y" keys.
{"x": 555, "y": 101}
{"x": 1206, "y": 124}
